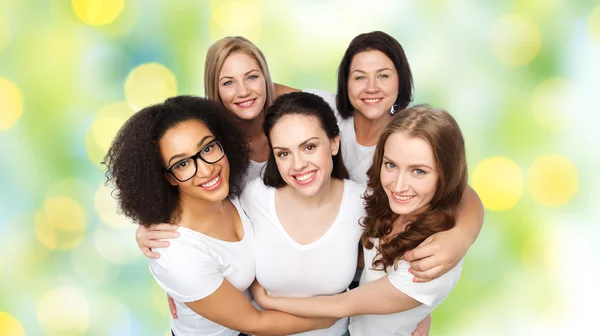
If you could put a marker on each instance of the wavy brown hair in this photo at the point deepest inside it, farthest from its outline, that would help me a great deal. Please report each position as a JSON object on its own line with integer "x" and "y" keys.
{"x": 440, "y": 130}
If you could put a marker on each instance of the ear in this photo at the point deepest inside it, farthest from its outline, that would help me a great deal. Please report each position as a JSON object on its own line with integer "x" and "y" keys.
{"x": 335, "y": 145}
{"x": 172, "y": 181}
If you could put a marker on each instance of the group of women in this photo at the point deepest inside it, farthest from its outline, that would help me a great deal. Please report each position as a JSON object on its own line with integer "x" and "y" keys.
{"x": 283, "y": 193}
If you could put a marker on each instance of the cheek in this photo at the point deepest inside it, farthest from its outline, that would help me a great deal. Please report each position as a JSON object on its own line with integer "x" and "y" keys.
{"x": 226, "y": 95}
{"x": 386, "y": 177}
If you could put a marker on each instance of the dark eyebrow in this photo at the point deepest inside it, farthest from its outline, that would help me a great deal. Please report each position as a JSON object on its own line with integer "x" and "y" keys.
{"x": 200, "y": 144}
{"x": 244, "y": 74}
{"x": 300, "y": 145}
{"x": 379, "y": 70}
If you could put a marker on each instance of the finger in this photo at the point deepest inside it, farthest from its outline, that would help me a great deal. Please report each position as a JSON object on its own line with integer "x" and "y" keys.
{"x": 424, "y": 264}
{"x": 151, "y": 254}
{"x": 428, "y": 275}
{"x": 172, "y": 307}
{"x": 163, "y": 227}
{"x": 156, "y": 235}
{"x": 421, "y": 251}
{"x": 155, "y": 244}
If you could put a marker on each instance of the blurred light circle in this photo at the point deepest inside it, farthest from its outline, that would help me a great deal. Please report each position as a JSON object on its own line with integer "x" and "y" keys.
{"x": 498, "y": 182}
{"x": 594, "y": 25}
{"x": 107, "y": 208}
{"x": 231, "y": 17}
{"x": 98, "y": 12}
{"x": 11, "y": 104}
{"x": 10, "y": 325}
{"x": 4, "y": 33}
{"x": 91, "y": 267}
{"x": 105, "y": 126}
{"x": 552, "y": 180}
{"x": 110, "y": 317}
{"x": 149, "y": 84}
{"x": 117, "y": 245}
{"x": 553, "y": 102}
{"x": 64, "y": 310}
{"x": 515, "y": 40}
{"x": 61, "y": 223}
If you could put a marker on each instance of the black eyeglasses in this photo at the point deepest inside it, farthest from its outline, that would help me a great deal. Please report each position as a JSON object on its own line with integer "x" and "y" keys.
{"x": 185, "y": 169}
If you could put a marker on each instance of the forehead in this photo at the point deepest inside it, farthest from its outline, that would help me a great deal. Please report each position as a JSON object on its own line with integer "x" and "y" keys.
{"x": 404, "y": 149}
{"x": 371, "y": 59}
{"x": 183, "y": 138}
{"x": 293, "y": 129}
{"x": 239, "y": 61}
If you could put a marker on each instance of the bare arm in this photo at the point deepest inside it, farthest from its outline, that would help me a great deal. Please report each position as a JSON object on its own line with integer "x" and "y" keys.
{"x": 228, "y": 307}
{"x": 377, "y": 297}
{"x": 442, "y": 251}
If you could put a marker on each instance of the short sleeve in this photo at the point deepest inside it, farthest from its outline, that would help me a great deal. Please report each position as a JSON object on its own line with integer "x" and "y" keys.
{"x": 428, "y": 293}
{"x": 185, "y": 273}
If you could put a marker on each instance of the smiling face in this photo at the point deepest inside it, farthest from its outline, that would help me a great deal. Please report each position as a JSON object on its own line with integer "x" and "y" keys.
{"x": 409, "y": 173}
{"x": 211, "y": 181}
{"x": 372, "y": 84}
{"x": 303, "y": 153}
{"x": 242, "y": 86}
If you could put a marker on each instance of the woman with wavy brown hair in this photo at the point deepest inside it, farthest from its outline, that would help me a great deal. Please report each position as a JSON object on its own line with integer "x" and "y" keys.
{"x": 416, "y": 182}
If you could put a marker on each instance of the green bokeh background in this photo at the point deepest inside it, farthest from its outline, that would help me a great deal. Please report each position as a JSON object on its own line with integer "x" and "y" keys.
{"x": 519, "y": 76}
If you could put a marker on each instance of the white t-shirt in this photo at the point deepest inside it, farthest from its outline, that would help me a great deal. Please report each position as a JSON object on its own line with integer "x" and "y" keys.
{"x": 430, "y": 294}
{"x": 194, "y": 266}
{"x": 357, "y": 158}
{"x": 255, "y": 169}
{"x": 289, "y": 269}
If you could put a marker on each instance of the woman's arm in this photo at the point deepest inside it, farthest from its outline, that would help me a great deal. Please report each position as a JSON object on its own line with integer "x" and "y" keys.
{"x": 282, "y": 89}
{"x": 154, "y": 237}
{"x": 377, "y": 297}
{"x": 440, "y": 252}
{"x": 228, "y": 307}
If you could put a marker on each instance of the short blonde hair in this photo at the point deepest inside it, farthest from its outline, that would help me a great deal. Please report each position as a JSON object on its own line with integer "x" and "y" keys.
{"x": 215, "y": 57}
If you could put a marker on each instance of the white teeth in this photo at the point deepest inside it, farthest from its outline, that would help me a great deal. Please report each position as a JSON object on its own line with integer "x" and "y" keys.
{"x": 402, "y": 198}
{"x": 305, "y": 176}
{"x": 246, "y": 104}
{"x": 374, "y": 100}
{"x": 211, "y": 183}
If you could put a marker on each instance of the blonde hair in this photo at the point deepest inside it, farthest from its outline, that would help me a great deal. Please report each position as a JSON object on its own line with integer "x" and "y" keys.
{"x": 215, "y": 57}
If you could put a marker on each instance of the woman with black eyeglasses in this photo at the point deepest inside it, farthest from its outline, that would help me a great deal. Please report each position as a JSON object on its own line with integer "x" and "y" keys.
{"x": 183, "y": 162}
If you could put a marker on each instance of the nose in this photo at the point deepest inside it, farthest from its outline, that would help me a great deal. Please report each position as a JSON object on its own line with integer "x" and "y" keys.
{"x": 299, "y": 162}
{"x": 242, "y": 89}
{"x": 400, "y": 183}
{"x": 372, "y": 86}
{"x": 204, "y": 169}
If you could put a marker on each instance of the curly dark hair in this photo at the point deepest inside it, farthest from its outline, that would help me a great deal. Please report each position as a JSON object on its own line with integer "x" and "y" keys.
{"x": 440, "y": 130}
{"x": 306, "y": 104}
{"x": 133, "y": 162}
{"x": 376, "y": 40}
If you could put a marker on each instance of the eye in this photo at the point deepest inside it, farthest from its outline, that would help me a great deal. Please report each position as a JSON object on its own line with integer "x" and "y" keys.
{"x": 418, "y": 171}
{"x": 228, "y": 83}
{"x": 359, "y": 77}
{"x": 310, "y": 147}
{"x": 384, "y": 76}
{"x": 389, "y": 165}
{"x": 251, "y": 77}
{"x": 282, "y": 154}
{"x": 181, "y": 165}
{"x": 208, "y": 148}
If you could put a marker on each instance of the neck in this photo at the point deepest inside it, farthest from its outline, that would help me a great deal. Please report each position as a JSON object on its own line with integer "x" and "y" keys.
{"x": 199, "y": 215}
{"x": 368, "y": 131}
{"x": 323, "y": 196}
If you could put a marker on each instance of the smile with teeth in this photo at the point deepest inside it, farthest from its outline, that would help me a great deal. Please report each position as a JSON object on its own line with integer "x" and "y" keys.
{"x": 211, "y": 182}
{"x": 246, "y": 103}
{"x": 305, "y": 176}
{"x": 372, "y": 100}
{"x": 402, "y": 198}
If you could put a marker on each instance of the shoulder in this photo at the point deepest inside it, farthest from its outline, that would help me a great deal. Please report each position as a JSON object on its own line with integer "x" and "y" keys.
{"x": 354, "y": 189}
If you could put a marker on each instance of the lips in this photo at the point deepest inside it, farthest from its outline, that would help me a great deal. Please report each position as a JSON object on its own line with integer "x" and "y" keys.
{"x": 211, "y": 184}
{"x": 372, "y": 101}
{"x": 305, "y": 178}
{"x": 246, "y": 103}
{"x": 402, "y": 199}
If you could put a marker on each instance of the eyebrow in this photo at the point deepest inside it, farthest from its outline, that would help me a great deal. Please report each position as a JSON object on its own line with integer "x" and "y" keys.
{"x": 378, "y": 70}
{"x": 224, "y": 77}
{"x": 410, "y": 166}
{"x": 300, "y": 145}
{"x": 179, "y": 156}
